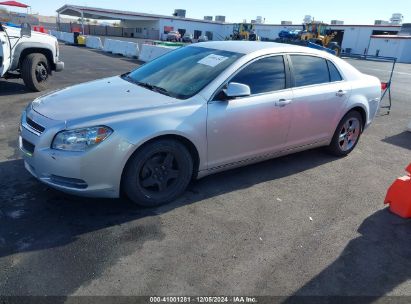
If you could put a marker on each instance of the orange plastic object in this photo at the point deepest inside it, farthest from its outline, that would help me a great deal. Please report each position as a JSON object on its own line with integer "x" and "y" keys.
{"x": 399, "y": 195}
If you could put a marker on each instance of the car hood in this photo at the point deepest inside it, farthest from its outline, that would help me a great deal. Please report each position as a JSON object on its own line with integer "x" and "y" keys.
{"x": 98, "y": 98}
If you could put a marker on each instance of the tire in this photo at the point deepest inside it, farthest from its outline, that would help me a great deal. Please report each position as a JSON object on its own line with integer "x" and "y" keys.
{"x": 344, "y": 142}
{"x": 35, "y": 71}
{"x": 337, "y": 50}
{"x": 158, "y": 173}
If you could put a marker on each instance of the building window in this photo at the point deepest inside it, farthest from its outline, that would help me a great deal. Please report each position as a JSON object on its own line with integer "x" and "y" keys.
{"x": 209, "y": 35}
{"x": 384, "y": 32}
{"x": 139, "y": 30}
{"x": 168, "y": 29}
{"x": 197, "y": 34}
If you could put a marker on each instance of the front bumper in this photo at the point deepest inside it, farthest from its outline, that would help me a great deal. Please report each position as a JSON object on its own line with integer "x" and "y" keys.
{"x": 59, "y": 66}
{"x": 93, "y": 173}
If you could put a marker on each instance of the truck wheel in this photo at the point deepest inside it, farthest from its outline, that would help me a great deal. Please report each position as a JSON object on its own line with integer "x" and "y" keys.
{"x": 35, "y": 72}
{"x": 337, "y": 50}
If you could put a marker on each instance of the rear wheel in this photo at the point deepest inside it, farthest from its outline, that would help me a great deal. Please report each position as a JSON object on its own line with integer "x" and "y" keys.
{"x": 35, "y": 71}
{"x": 347, "y": 134}
{"x": 158, "y": 173}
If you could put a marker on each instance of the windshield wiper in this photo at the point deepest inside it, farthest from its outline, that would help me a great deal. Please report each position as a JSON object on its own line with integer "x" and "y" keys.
{"x": 153, "y": 87}
{"x": 161, "y": 90}
{"x": 146, "y": 85}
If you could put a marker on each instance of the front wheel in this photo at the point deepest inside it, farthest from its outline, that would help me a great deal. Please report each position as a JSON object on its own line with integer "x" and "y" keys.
{"x": 35, "y": 71}
{"x": 347, "y": 134}
{"x": 158, "y": 173}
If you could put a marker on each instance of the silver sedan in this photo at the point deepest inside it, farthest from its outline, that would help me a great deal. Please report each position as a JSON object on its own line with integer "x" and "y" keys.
{"x": 195, "y": 111}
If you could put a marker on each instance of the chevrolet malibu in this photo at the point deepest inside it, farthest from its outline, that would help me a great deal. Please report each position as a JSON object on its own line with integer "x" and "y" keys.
{"x": 198, "y": 110}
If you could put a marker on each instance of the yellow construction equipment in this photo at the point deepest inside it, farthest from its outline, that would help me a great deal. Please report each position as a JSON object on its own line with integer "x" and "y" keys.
{"x": 244, "y": 31}
{"x": 321, "y": 34}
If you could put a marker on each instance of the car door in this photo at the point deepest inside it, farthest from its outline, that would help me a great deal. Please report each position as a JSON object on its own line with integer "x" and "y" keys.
{"x": 319, "y": 96}
{"x": 4, "y": 54}
{"x": 255, "y": 125}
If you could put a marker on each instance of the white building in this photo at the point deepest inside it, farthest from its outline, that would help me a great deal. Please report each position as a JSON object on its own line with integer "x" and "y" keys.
{"x": 391, "y": 46}
{"x": 356, "y": 38}
{"x": 152, "y": 26}
{"x": 353, "y": 38}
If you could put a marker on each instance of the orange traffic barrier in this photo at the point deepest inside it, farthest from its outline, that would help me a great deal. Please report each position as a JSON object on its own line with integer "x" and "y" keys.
{"x": 399, "y": 195}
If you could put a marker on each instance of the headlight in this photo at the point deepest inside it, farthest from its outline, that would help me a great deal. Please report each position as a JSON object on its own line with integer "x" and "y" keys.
{"x": 80, "y": 139}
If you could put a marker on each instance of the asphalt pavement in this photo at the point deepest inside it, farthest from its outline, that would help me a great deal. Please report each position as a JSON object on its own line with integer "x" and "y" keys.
{"x": 303, "y": 224}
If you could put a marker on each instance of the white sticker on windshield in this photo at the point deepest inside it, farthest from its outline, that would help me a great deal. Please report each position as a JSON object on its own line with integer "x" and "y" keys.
{"x": 212, "y": 60}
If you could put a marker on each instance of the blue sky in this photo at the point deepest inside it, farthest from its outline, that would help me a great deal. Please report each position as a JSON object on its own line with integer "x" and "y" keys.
{"x": 351, "y": 11}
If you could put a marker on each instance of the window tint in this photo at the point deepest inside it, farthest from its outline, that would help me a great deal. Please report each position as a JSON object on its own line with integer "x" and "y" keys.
{"x": 264, "y": 75}
{"x": 309, "y": 70}
{"x": 334, "y": 74}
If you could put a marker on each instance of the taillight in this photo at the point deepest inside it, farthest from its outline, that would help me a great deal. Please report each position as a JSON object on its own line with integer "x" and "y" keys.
{"x": 384, "y": 86}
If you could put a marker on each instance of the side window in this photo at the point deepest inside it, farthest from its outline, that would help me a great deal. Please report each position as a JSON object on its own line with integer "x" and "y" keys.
{"x": 309, "y": 70}
{"x": 334, "y": 74}
{"x": 264, "y": 75}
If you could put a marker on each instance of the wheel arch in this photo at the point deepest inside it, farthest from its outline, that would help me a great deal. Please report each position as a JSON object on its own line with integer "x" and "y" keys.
{"x": 30, "y": 50}
{"x": 358, "y": 108}
{"x": 191, "y": 147}
{"x": 362, "y": 112}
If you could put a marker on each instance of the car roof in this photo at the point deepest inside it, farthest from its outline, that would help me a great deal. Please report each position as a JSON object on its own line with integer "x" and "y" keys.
{"x": 248, "y": 47}
{"x": 258, "y": 48}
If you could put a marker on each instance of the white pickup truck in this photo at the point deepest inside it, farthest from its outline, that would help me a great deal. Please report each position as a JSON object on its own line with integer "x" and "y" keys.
{"x": 30, "y": 55}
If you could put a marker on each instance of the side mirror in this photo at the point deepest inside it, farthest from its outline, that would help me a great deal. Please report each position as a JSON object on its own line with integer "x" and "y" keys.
{"x": 25, "y": 30}
{"x": 235, "y": 89}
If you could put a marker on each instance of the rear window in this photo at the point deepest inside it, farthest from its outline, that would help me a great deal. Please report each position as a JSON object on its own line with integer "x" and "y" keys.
{"x": 334, "y": 74}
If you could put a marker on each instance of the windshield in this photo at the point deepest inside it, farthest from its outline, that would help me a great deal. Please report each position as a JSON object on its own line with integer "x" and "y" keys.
{"x": 183, "y": 72}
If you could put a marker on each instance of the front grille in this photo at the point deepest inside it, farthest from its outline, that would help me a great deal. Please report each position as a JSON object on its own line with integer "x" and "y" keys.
{"x": 28, "y": 146}
{"x": 34, "y": 125}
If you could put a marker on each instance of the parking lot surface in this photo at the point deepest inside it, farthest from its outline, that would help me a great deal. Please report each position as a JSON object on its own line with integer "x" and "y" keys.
{"x": 304, "y": 224}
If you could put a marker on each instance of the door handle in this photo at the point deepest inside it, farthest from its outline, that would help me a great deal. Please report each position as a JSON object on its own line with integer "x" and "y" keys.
{"x": 282, "y": 102}
{"x": 341, "y": 93}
